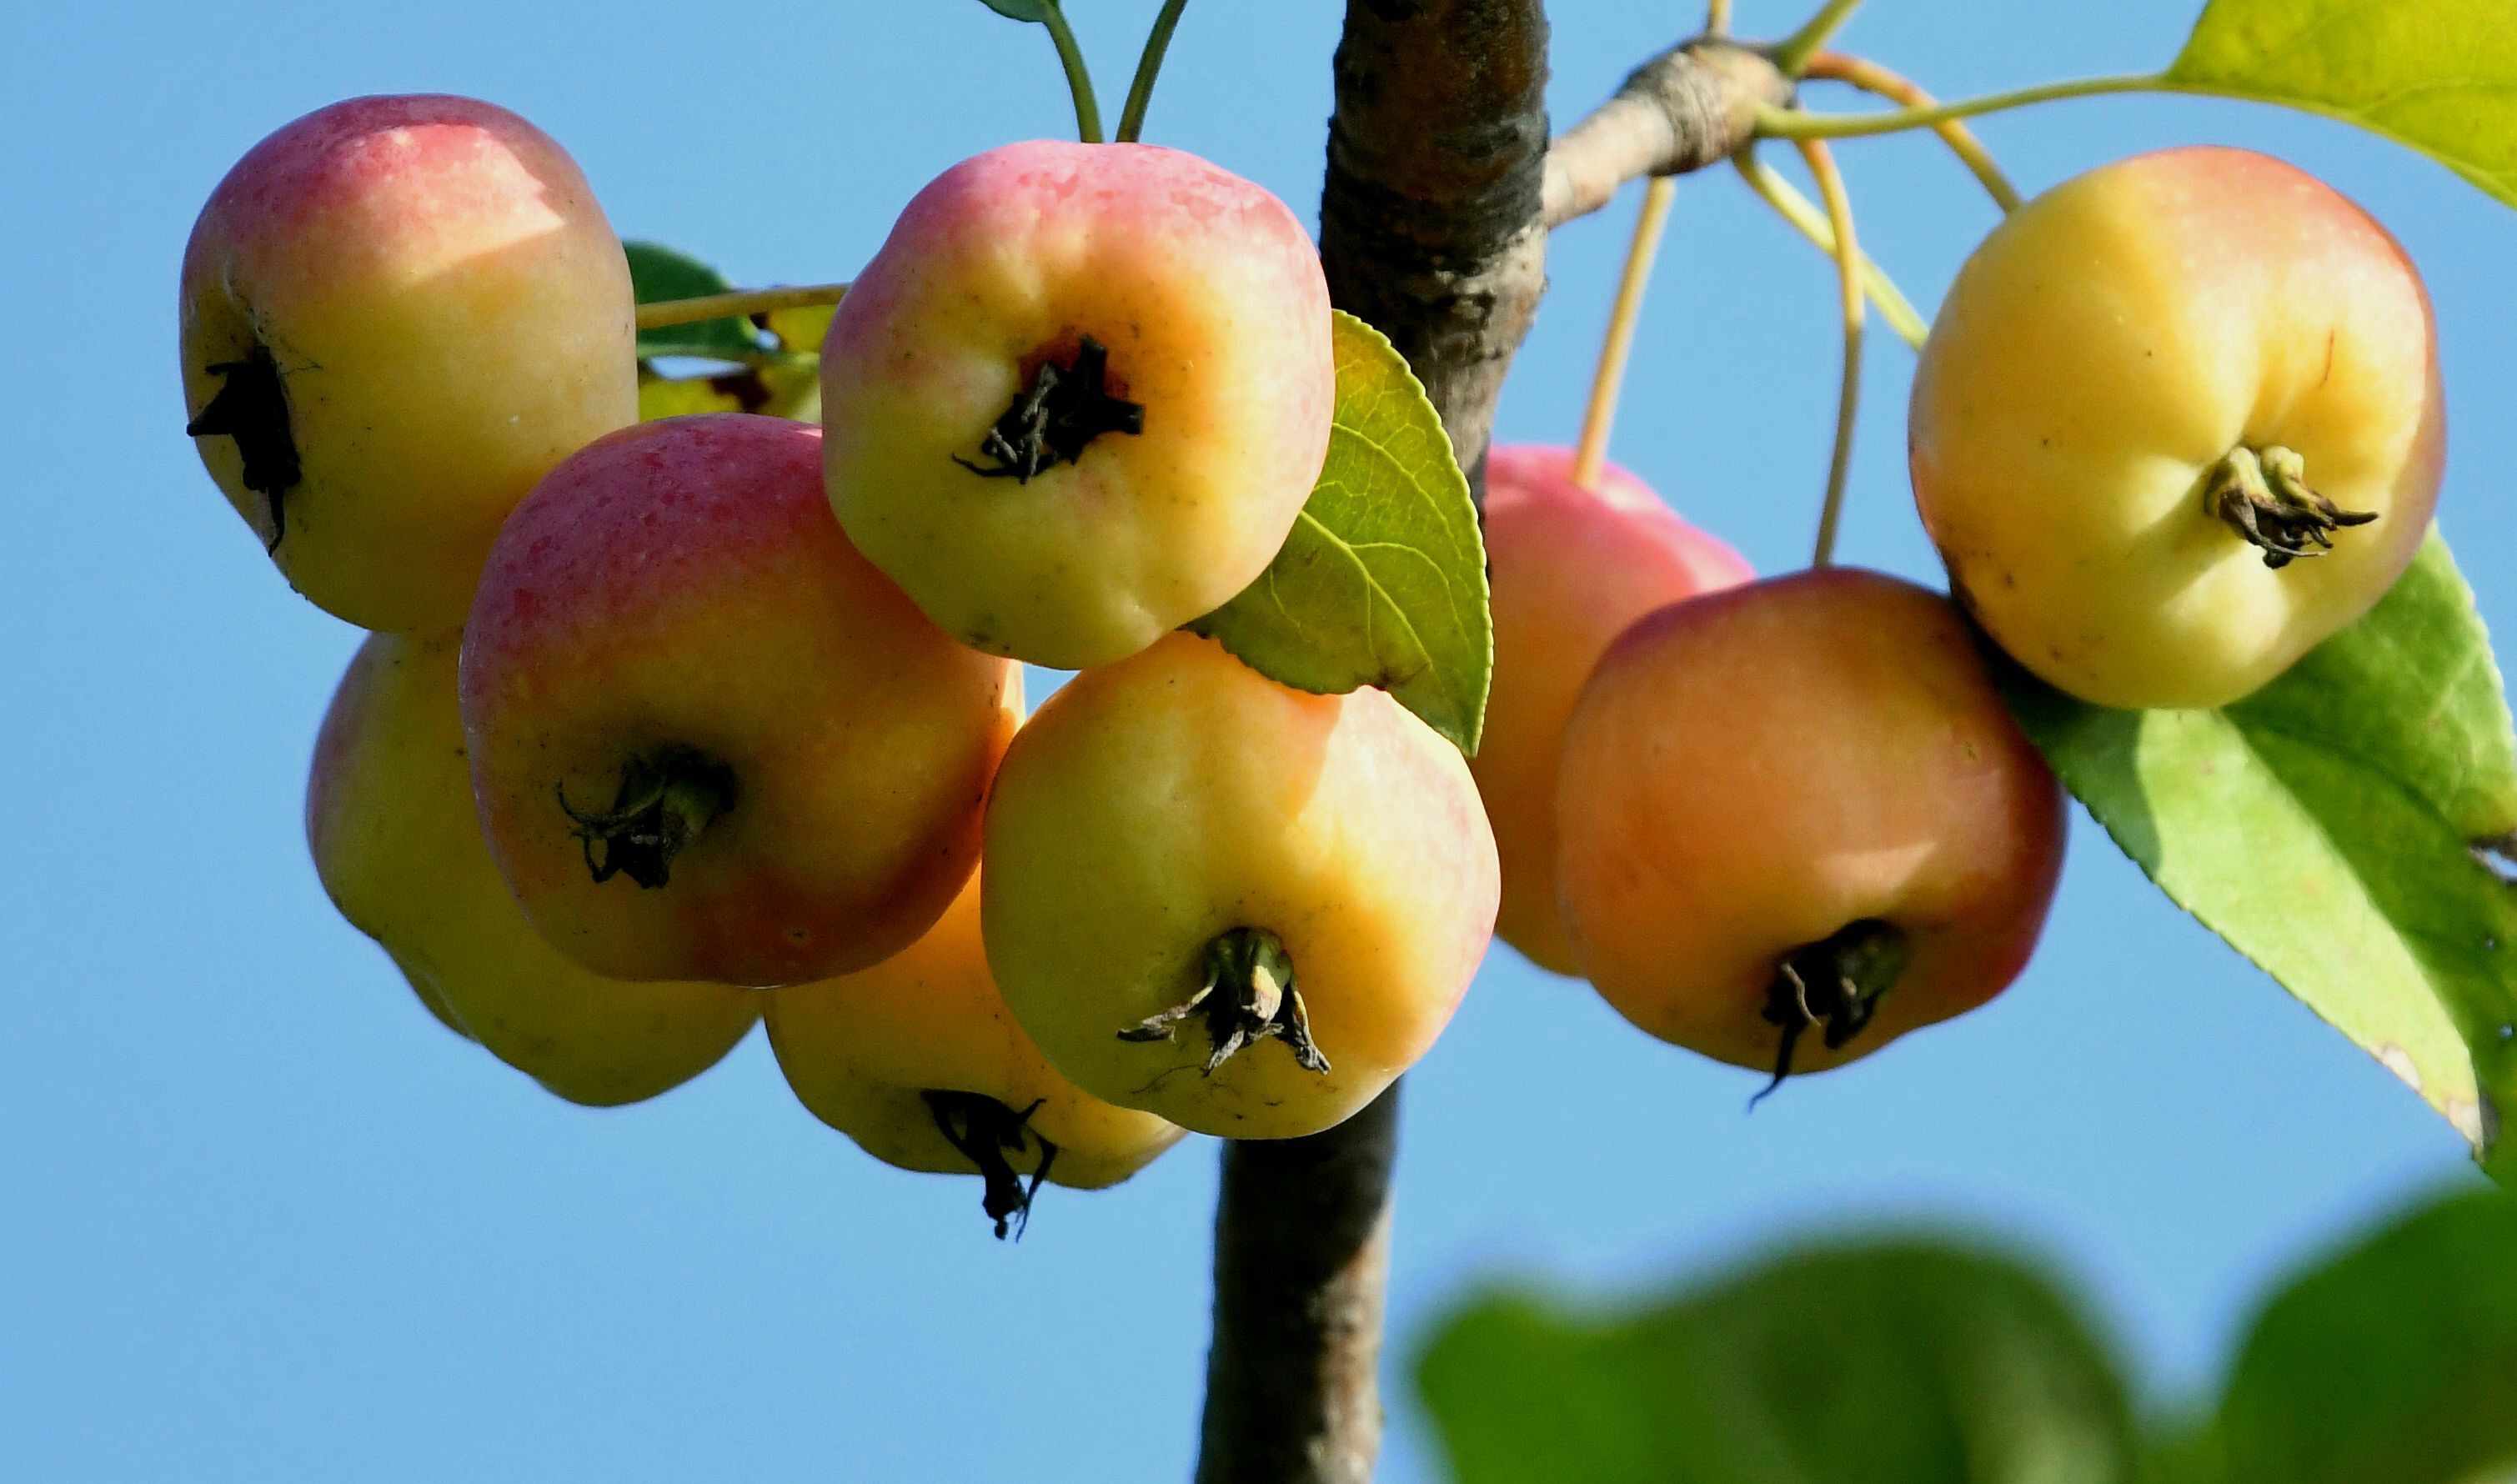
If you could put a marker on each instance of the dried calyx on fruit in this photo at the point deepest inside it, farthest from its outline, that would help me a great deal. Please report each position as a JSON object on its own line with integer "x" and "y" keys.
{"x": 1053, "y": 420}
{"x": 1249, "y": 994}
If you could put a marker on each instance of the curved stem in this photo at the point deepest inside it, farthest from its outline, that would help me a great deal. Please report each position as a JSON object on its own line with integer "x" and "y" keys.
{"x": 1149, "y": 66}
{"x": 1792, "y": 123}
{"x": 1870, "y": 78}
{"x": 667, "y": 313}
{"x": 1079, "y": 78}
{"x": 1848, "y": 259}
{"x": 1798, "y": 210}
{"x": 1601, "y": 415}
{"x": 1795, "y": 50}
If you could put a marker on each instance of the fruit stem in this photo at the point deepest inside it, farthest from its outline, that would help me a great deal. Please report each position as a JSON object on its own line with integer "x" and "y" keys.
{"x": 665, "y": 798}
{"x": 981, "y": 1130}
{"x": 1793, "y": 53}
{"x": 1717, "y": 17}
{"x": 1835, "y": 983}
{"x": 1079, "y": 78}
{"x": 2263, "y": 496}
{"x": 1601, "y": 415}
{"x": 1796, "y": 123}
{"x": 1870, "y": 78}
{"x": 664, "y": 314}
{"x": 1797, "y": 209}
{"x": 1149, "y": 66}
{"x": 1247, "y": 996}
{"x": 1848, "y": 405}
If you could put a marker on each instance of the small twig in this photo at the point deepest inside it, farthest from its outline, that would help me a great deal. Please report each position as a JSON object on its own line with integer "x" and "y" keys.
{"x": 1717, "y": 17}
{"x": 1591, "y": 452}
{"x": 1870, "y": 78}
{"x": 1691, "y": 106}
{"x": 1802, "y": 214}
{"x": 1791, "y": 123}
{"x": 1848, "y": 259}
{"x": 735, "y": 304}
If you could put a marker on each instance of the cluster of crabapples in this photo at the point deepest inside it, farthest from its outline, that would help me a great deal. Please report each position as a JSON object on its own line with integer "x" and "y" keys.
{"x": 667, "y": 728}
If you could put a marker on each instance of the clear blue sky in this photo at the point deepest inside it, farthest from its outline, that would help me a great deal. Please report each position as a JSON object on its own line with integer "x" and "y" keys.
{"x": 264, "y": 1221}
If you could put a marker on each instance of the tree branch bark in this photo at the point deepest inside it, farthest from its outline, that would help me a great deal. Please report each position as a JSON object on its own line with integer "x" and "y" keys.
{"x": 1441, "y": 187}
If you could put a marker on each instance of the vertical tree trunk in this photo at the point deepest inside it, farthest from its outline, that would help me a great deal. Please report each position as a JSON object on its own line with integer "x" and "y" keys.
{"x": 1432, "y": 229}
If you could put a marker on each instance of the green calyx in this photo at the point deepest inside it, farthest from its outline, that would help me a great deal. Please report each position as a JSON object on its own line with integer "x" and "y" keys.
{"x": 983, "y": 1131}
{"x": 1833, "y": 986}
{"x": 1248, "y": 996}
{"x": 2263, "y": 496}
{"x": 665, "y": 798}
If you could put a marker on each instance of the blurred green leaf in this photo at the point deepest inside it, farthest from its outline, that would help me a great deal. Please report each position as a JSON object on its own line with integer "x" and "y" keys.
{"x": 1383, "y": 579}
{"x": 1035, "y": 11}
{"x": 2440, "y": 75}
{"x": 1887, "y": 1363}
{"x": 2393, "y": 1364}
{"x": 657, "y": 273}
{"x": 786, "y": 386}
{"x": 2326, "y": 826}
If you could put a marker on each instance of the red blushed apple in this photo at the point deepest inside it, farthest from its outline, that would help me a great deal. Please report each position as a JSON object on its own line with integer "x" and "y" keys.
{"x": 1079, "y": 397}
{"x": 397, "y": 313}
{"x": 709, "y": 741}
{"x": 1795, "y": 822}
{"x": 1571, "y": 569}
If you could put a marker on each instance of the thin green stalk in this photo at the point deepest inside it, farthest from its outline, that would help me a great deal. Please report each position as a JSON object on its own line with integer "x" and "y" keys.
{"x": 1078, "y": 80}
{"x": 1792, "y": 123}
{"x": 1847, "y": 258}
{"x": 1800, "y": 213}
{"x": 1793, "y": 52}
{"x": 1149, "y": 66}
{"x": 1717, "y": 17}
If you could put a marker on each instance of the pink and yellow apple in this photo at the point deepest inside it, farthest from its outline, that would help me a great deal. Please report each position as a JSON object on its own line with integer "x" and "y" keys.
{"x": 397, "y": 313}
{"x": 1079, "y": 397}
{"x": 1570, "y": 568}
{"x": 398, "y": 844}
{"x": 710, "y": 741}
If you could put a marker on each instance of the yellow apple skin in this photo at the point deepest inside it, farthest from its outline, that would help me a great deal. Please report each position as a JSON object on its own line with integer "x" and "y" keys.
{"x": 1158, "y": 804}
{"x": 1758, "y": 769}
{"x": 680, "y": 588}
{"x": 2102, "y": 349}
{"x": 396, "y": 840}
{"x": 1570, "y": 568}
{"x": 1209, "y": 298}
{"x": 862, "y": 1049}
{"x": 450, "y": 315}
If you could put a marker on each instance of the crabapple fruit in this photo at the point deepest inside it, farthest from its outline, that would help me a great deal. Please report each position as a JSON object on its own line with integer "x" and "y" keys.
{"x": 1079, "y": 397}
{"x": 1801, "y": 806}
{"x": 917, "y": 1060}
{"x": 398, "y": 844}
{"x": 1220, "y": 899}
{"x": 679, "y": 674}
{"x": 1571, "y": 569}
{"x": 397, "y": 313}
{"x": 2178, "y": 421}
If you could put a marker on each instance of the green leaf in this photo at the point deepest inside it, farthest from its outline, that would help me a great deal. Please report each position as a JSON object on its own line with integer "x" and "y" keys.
{"x": 2325, "y": 827}
{"x": 2440, "y": 75}
{"x": 2393, "y": 1364}
{"x": 1034, "y": 11}
{"x": 657, "y": 273}
{"x": 1383, "y": 579}
{"x": 1885, "y": 1363}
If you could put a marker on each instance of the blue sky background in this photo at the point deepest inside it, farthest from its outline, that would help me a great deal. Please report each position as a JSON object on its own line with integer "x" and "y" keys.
{"x": 262, "y": 1219}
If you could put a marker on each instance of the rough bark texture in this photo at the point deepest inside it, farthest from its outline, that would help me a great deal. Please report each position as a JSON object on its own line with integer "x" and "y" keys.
{"x": 1302, "y": 1264}
{"x": 1434, "y": 223}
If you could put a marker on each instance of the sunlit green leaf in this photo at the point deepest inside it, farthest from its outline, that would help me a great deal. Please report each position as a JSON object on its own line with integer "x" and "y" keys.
{"x": 2326, "y": 826}
{"x": 1383, "y": 580}
{"x": 1886, "y": 1363}
{"x": 2440, "y": 75}
{"x": 657, "y": 273}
